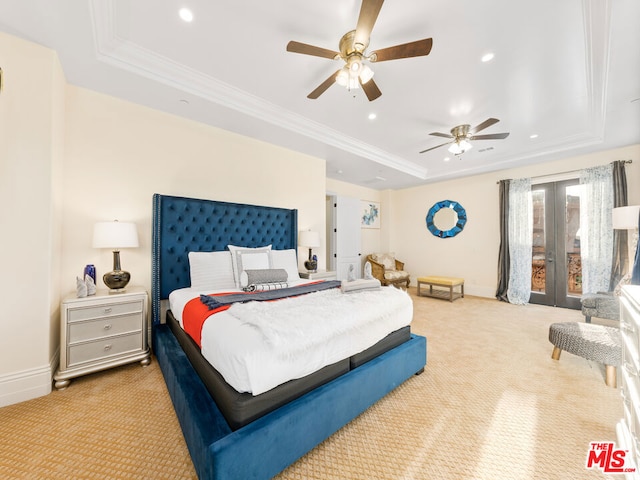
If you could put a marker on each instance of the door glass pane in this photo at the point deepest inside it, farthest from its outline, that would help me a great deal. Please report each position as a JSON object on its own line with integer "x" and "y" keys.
{"x": 572, "y": 240}
{"x": 538, "y": 270}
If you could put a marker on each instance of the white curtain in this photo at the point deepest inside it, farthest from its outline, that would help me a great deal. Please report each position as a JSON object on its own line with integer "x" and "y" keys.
{"x": 520, "y": 240}
{"x": 596, "y": 229}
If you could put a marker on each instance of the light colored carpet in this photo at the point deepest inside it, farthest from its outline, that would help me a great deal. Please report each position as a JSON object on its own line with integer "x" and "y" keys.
{"x": 491, "y": 404}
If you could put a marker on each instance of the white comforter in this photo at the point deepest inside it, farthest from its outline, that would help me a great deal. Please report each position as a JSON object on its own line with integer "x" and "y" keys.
{"x": 256, "y": 346}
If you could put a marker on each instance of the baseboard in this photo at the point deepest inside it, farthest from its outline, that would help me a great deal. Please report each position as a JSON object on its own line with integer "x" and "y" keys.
{"x": 28, "y": 384}
{"x": 479, "y": 291}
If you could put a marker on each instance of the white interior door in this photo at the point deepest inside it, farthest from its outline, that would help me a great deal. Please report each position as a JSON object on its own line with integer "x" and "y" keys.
{"x": 346, "y": 237}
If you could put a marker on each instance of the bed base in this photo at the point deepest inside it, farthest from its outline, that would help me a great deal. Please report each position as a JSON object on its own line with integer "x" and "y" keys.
{"x": 268, "y": 445}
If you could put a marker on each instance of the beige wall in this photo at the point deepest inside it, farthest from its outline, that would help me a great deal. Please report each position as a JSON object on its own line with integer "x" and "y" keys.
{"x": 119, "y": 154}
{"x": 31, "y": 148}
{"x": 473, "y": 254}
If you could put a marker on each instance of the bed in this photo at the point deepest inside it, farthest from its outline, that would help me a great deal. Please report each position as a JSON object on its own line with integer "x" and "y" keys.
{"x": 263, "y": 444}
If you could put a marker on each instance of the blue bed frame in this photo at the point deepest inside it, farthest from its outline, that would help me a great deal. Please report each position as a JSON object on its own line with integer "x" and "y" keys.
{"x": 268, "y": 445}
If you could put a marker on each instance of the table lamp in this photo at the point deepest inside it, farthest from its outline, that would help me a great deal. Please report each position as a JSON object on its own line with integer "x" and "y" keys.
{"x": 626, "y": 218}
{"x": 309, "y": 239}
{"x": 115, "y": 235}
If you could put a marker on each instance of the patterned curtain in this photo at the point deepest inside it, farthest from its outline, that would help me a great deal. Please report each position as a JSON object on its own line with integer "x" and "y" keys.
{"x": 503, "y": 252}
{"x": 621, "y": 261}
{"x": 520, "y": 240}
{"x": 635, "y": 271}
{"x": 596, "y": 239}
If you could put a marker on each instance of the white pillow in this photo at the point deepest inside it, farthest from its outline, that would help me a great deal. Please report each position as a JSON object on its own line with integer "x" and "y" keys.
{"x": 287, "y": 260}
{"x": 235, "y": 258}
{"x": 211, "y": 271}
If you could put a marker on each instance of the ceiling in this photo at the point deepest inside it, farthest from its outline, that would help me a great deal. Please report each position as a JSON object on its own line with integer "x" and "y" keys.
{"x": 567, "y": 71}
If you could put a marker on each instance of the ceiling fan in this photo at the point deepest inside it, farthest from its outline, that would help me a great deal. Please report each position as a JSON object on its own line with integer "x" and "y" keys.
{"x": 462, "y": 134}
{"x": 356, "y": 72}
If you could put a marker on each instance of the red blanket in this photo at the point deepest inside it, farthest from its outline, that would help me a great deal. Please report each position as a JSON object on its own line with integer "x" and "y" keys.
{"x": 196, "y": 312}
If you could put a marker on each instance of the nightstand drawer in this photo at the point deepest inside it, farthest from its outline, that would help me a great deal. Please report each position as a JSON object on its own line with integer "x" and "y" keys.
{"x": 90, "y": 351}
{"x": 106, "y": 310}
{"x": 104, "y": 327}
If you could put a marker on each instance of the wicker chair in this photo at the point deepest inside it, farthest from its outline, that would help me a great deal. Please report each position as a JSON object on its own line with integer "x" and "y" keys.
{"x": 388, "y": 276}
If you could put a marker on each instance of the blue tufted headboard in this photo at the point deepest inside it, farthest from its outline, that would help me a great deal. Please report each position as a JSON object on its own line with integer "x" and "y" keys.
{"x": 181, "y": 225}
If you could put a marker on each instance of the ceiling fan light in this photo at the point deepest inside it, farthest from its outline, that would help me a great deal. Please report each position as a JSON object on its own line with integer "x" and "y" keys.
{"x": 464, "y": 145}
{"x": 455, "y": 148}
{"x": 459, "y": 147}
{"x": 353, "y": 83}
{"x": 342, "y": 78}
{"x": 366, "y": 74}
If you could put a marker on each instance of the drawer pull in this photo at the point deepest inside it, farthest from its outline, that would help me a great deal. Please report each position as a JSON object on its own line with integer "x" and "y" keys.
{"x": 107, "y": 310}
{"x": 107, "y": 326}
{"x": 107, "y": 348}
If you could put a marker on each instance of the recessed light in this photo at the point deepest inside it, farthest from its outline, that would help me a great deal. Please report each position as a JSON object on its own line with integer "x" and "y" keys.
{"x": 535, "y": 135}
{"x": 372, "y": 116}
{"x": 487, "y": 57}
{"x": 446, "y": 159}
{"x": 186, "y": 14}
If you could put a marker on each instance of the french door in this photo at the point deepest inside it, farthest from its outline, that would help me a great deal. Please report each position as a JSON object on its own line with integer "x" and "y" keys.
{"x": 556, "y": 276}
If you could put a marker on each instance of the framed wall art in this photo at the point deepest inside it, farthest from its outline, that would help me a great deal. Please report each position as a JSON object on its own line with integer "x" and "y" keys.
{"x": 369, "y": 214}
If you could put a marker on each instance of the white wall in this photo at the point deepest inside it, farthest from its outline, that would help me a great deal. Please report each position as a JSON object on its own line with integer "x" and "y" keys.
{"x": 31, "y": 118}
{"x": 473, "y": 254}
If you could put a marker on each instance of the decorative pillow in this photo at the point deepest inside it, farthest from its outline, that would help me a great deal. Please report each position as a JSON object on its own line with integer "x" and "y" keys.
{"x": 262, "y": 287}
{"x": 288, "y": 260}
{"x": 235, "y": 259}
{"x": 395, "y": 274}
{"x": 271, "y": 275}
{"x": 211, "y": 271}
{"x": 388, "y": 260}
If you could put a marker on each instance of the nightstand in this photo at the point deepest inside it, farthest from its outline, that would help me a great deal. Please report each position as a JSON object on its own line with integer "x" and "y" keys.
{"x": 102, "y": 331}
{"x": 319, "y": 275}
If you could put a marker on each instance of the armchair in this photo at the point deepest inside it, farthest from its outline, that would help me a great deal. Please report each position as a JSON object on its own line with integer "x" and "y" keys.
{"x": 603, "y": 304}
{"x": 600, "y": 305}
{"x": 386, "y": 268}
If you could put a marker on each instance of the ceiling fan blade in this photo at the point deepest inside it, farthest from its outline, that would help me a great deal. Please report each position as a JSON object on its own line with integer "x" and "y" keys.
{"x": 297, "y": 47}
{"x": 492, "y": 136}
{"x": 418, "y": 48}
{"x": 437, "y": 146}
{"x": 438, "y": 134}
{"x": 487, "y": 123}
{"x": 368, "y": 15}
{"x": 371, "y": 90}
{"x": 324, "y": 86}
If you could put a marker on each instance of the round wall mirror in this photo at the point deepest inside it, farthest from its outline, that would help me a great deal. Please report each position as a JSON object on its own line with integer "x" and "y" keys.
{"x": 446, "y": 219}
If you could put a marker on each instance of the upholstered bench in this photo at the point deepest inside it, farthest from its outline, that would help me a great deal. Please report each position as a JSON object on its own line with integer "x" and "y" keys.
{"x": 447, "y": 282}
{"x": 593, "y": 342}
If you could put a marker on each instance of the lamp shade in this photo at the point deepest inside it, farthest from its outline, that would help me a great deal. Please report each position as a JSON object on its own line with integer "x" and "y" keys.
{"x": 115, "y": 235}
{"x": 309, "y": 239}
{"x": 625, "y": 218}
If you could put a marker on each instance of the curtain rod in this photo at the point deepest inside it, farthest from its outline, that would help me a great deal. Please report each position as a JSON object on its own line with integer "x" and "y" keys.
{"x": 569, "y": 171}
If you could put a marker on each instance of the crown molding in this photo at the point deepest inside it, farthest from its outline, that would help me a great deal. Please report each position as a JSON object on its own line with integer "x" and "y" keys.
{"x": 126, "y": 55}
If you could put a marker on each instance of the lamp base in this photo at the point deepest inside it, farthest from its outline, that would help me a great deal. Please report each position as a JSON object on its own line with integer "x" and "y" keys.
{"x": 116, "y": 280}
{"x": 311, "y": 266}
